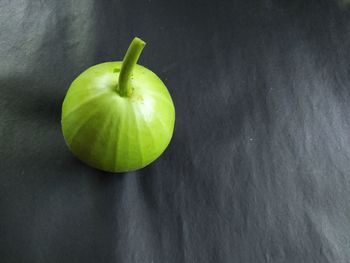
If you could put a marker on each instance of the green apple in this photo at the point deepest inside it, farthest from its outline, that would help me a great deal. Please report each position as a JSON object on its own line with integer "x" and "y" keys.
{"x": 118, "y": 116}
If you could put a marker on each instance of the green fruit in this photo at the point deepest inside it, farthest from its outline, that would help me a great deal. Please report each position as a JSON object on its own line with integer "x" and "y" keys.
{"x": 118, "y": 116}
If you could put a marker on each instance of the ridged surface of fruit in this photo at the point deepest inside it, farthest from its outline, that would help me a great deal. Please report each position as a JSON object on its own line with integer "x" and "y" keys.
{"x": 115, "y": 133}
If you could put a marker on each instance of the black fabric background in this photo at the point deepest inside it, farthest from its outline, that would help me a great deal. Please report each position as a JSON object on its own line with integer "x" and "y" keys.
{"x": 258, "y": 169}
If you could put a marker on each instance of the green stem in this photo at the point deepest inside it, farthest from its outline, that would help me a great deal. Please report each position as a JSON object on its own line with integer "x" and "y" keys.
{"x": 132, "y": 55}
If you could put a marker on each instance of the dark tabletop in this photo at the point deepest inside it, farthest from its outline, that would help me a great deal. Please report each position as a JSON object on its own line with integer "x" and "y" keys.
{"x": 258, "y": 169}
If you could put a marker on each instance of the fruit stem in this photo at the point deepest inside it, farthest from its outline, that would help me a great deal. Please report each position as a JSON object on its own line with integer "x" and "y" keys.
{"x": 132, "y": 55}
